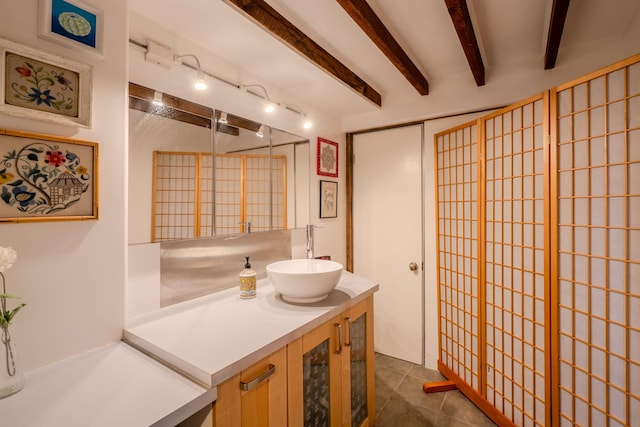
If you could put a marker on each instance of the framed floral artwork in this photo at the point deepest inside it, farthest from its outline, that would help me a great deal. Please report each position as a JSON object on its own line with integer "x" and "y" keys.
{"x": 72, "y": 23}
{"x": 327, "y": 158}
{"x": 46, "y": 178}
{"x": 328, "y": 199}
{"x": 44, "y": 86}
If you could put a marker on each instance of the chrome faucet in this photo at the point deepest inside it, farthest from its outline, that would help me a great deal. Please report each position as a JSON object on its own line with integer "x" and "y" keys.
{"x": 310, "y": 240}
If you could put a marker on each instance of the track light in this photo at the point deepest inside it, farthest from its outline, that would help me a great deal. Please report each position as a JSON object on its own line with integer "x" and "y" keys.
{"x": 200, "y": 83}
{"x": 223, "y": 118}
{"x": 260, "y": 132}
{"x": 307, "y": 124}
{"x": 157, "y": 99}
{"x": 269, "y": 105}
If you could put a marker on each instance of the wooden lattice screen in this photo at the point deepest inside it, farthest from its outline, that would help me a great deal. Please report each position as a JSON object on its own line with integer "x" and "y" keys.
{"x": 559, "y": 261}
{"x": 183, "y": 194}
{"x": 458, "y": 232}
{"x": 597, "y": 271}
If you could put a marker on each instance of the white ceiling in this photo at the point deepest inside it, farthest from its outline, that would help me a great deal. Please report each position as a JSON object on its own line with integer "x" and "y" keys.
{"x": 509, "y": 32}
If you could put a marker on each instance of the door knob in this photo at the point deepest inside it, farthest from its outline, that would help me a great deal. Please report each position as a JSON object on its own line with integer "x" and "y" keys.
{"x": 413, "y": 266}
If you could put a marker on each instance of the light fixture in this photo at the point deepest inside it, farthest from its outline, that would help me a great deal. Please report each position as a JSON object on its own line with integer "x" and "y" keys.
{"x": 307, "y": 124}
{"x": 260, "y": 132}
{"x": 157, "y": 99}
{"x": 200, "y": 83}
{"x": 269, "y": 105}
{"x": 223, "y": 118}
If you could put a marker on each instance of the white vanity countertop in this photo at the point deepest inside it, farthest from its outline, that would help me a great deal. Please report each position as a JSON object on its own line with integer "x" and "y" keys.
{"x": 211, "y": 338}
{"x": 114, "y": 385}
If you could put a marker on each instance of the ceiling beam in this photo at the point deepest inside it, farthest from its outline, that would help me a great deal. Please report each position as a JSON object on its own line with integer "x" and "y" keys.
{"x": 368, "y": 21}
{"x": 556, "y": 27}
{"x": 269, "y": 19}
{"x": 459, "y": 13}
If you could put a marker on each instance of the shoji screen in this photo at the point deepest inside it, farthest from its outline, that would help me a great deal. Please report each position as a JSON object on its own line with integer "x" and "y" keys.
{"x": 228, "y": 193}
{"x": 458, "y": 231}
{"x": 174, "y": 195}
{"x": 514, "y": 260}
{"x": 597, "y": 274}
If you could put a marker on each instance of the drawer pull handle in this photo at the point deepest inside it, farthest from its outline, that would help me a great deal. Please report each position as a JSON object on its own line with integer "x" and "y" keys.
{"x": 339, "y": 340}
{"x": 259, "y": 379}
{"x": 347, "y": 341}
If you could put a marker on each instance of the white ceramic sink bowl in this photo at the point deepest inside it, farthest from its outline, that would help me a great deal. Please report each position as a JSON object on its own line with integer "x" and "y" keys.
{"x": 304, "y": 280}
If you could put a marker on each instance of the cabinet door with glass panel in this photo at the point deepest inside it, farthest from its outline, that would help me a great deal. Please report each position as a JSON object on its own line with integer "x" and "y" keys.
{"x": 331, "y": 372}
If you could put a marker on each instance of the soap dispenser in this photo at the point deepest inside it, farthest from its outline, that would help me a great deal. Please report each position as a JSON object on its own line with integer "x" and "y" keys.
{"x": 247, "y": 281}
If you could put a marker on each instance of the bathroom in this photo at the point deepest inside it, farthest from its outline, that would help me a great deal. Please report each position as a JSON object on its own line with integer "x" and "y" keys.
{"x": 74, "y": 275}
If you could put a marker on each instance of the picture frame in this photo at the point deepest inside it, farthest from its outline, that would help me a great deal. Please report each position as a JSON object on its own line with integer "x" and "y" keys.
{"x": 327, "y": 156}
{"x": 44, "y": 86}
{"x": 328, "y": 199}
{"x": 72, "y": 23}
{"x": 47, "y": 178}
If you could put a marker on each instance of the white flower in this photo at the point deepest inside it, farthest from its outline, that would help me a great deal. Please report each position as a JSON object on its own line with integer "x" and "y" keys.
{"x": 7, "y": 257}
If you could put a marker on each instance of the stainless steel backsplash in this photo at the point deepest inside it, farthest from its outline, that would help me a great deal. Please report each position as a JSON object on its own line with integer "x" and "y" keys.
{"x": 196, "y": 267}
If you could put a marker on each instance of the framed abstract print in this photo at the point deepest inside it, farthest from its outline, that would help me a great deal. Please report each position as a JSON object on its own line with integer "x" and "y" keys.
{"x": 72, "y": 23}
{"x": 328, "y": 199}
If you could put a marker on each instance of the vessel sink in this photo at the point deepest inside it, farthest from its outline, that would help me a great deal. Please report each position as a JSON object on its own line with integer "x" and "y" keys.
{"x": 304, "y": 280}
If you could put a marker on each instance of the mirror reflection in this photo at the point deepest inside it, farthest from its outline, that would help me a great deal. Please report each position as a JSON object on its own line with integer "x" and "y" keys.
{"x": 180, "y": 187}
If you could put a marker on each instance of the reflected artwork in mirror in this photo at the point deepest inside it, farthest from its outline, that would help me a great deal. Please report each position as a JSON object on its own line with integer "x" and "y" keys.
{"x": 195, "y": 172}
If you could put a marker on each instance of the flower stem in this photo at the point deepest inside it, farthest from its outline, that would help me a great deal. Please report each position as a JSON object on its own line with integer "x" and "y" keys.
{"x": 11, "y": 361}
{"x": 3, "y": 313}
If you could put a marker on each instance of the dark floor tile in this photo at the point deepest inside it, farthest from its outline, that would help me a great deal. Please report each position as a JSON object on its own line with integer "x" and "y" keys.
{"x": 458, "y": 407}
{"x": 425, "y": 375}
{"x": 398, "y": 412}
{"x": 398, "y": 365}
{"x": 411, "y": 390}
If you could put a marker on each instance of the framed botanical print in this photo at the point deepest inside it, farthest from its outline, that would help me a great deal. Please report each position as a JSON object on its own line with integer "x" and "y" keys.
{"x": 44, "y": 86}
{"x": 328, "y": 199}
{"x": 47, "y": 178}
{"x": 327, "y": 158}
{"x": 72, "y": 23}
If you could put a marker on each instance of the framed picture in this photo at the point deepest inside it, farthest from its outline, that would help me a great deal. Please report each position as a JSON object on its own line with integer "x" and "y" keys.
{"x": 327, "y": 158}
{"x": 328, "y": 199}
{"x": 43, "y": 86}
{"x": 47, "y": 178}
{"x": 72, "y": 23}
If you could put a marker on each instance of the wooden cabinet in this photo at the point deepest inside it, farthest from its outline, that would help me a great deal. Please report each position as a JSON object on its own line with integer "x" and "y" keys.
{"x": 331, "y": 372}
{"x": 256, "y": 397}
{"x": 324, "y": 378}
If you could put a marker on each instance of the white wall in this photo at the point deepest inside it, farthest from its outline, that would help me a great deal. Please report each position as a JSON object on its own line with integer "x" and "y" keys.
{"x": 71, "y": 274}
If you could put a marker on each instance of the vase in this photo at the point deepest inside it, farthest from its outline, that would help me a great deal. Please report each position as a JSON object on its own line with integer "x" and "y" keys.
{"x": 11, "y": 375}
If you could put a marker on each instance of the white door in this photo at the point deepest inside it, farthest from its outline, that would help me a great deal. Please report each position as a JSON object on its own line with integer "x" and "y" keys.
{"x": 387, "y": 235}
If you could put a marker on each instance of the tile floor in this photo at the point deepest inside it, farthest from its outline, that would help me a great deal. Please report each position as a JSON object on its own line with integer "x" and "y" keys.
{"x": 400, "y": 401}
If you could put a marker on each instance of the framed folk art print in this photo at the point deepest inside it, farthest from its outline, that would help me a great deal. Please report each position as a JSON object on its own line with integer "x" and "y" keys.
{"x": 44, "y": 86}
{"x": 47, "y": 178}
{"x": 327, "y": 158}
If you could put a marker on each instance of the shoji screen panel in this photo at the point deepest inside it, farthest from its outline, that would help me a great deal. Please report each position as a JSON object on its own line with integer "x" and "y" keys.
{"x": 257, "y": 172}
{"x": 174, "y": 195}
{"x": 597, "y": 269}
{"x": 515, "y": 263}
{"x": 206, "y": 195}
{"x": 229, "y": 203}
{"x": 458, "y": 236}
{"x": 279, "y": 192}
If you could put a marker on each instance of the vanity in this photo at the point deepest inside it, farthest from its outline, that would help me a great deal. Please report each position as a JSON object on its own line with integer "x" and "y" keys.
{"x": 294, "y": 362}
{"x": 253, "y": 362}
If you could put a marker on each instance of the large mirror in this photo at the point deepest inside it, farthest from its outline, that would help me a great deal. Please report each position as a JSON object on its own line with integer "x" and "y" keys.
{"x": 195, "y": 172}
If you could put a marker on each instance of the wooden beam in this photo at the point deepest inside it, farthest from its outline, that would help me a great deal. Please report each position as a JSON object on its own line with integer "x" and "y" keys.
{"x": 368, "y": 21}
{"x": 556, "y": 27}
{"x": 459, "y": 13}
{"x": 270, "y": 20}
